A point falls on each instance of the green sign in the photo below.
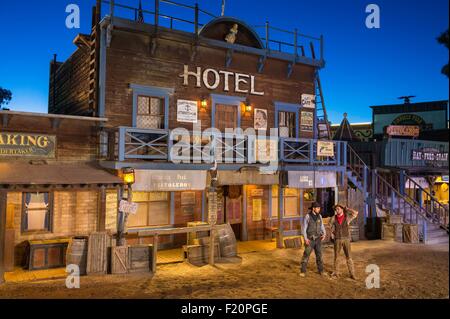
(27, 145)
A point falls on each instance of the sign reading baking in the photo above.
(28, 145)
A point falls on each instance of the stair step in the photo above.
(437, 241)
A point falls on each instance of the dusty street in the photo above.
(407, 271)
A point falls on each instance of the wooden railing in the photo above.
(285, 41)
(294, 150)
(433, 209)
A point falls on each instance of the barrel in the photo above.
(77, 253)
(354, 233)
(227, 240)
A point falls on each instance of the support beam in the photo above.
(101, 222)
(261, 62)
(3, 197)
(229, 58)
(280, 212)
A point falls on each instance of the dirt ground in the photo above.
(407, 271)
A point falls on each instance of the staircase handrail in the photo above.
(353, 153)
(433, 201)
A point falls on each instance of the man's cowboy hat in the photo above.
(339, 205)
(315, 204)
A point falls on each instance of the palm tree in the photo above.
(444, 39)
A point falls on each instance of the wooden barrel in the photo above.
(77, 253)
(354, 232)
(227, 240)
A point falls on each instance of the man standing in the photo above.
(313, 232)
(340, 232)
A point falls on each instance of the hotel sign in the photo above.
(27, 145)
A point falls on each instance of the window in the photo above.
(36, 212)
(153, 209)
(150, 112)
(287, 124)
(291, 202)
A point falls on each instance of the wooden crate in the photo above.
(191, 237)
(293, 242)
(44, 254)
(394, 219)
(140, 258)
(392, 232)
(119, 260)
(411, 233)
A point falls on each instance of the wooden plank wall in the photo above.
(72, 85)
(129, 61)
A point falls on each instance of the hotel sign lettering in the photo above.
(27, 145)
(212, 79)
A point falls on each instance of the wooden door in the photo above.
(226, 117)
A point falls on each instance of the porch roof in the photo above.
(43, 173)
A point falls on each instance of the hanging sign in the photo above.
(325, 149)
(403, 130)
(169, 181)
(212, 207)
(187, 111)
(311, 179)
(27, 145)
(309, 101)
(128, 207)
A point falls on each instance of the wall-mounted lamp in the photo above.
(203, 104)
(128, 175)
(247, 107)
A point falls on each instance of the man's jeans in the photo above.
(315, 245)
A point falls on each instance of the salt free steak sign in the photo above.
(28, 145)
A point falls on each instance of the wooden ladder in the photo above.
(94, 59)
(323, 126)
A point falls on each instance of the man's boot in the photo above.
(351, 268)
(335, 272)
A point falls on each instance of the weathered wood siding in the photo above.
(129, 62)
(71, 85)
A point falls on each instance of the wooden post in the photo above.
(280, 211)
(155, 252)
(2, 234)
(196, 19)
(267, 36)
(101, 221)
(156, 13)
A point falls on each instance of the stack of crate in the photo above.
(392, 228)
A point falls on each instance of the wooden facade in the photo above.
(74, 208)
(141, 68)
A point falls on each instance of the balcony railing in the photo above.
(293, 150)
(131, 144)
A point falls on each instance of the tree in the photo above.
(5, 96)
(444, 40)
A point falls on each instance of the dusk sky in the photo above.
(363, 66)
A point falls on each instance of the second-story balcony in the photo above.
(128, 144)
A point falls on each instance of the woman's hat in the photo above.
(315, 204)
(339, 205)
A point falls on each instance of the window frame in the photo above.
(49, 228)
(148, 202)
(151, 91)
(288, 107)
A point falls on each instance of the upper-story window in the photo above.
(150, 112)
(37, 212)
(287, 124)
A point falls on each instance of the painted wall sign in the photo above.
(403, 130)
(309, 101)
(307, 121)
(430, 155)
(311, 179)
(258, 192)
(257, 209)
(212, 79)
(27, 145)
(187, 111)
(266, 150)
(167, 181)
(325, 148)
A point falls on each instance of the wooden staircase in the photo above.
(432, 218)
